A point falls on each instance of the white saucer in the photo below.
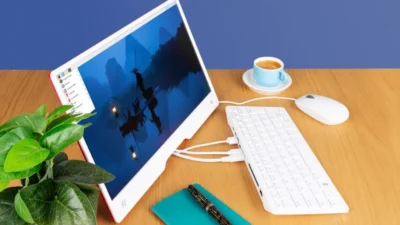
(252, 84)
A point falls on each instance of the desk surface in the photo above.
(362, 156)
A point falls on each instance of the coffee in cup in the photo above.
(269, 71)
(268, 64)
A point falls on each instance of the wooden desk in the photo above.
(361, 156)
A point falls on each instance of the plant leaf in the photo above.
(3, 158)
(86, 125)
(69, 119)
(59, 203)
(60, 157)
(60, 120)
(41, 110)
(57, 112)
(34, 122)
(22, 210)
(8, 215)
(25, 154)
(3, 185)
(60, 137)
(92, 193)
(81, 172)
(79, 117)
(4, 176)
(11, 138)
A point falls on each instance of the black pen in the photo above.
(208, 206)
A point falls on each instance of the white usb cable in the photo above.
(230, 158)
(234, 155)
(230, 152)
(256, 99)
(229, 140)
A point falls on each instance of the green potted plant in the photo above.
(54, 190)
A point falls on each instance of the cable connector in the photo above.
(238, 157)
(229, 140)
(235, 151)
(232, 140)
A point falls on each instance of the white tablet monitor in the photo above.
(150, 90)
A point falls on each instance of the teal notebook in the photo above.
(182, 209)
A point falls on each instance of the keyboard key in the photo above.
(283, 195)
(288, 202)
(268, 182)
(322, 201)
(278, 203)
(274, 193)
(311, 201)
(243, 110)
(253, 110)
(256, 139)
(298, 199)
(251, 128)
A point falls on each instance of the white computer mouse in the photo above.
(325, 110)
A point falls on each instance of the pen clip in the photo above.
(209, 206)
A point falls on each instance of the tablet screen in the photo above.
(142, 88)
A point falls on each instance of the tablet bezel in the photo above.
(126, 199)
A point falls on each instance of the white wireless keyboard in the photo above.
(288, 176)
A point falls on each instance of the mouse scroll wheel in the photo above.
(310, 96)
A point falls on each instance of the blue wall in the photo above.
(43, 34)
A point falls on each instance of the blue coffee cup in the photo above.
(269, 77)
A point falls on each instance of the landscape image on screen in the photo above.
(143, 88)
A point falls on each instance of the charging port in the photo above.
(253, 174)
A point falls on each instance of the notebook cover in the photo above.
(182, 209)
